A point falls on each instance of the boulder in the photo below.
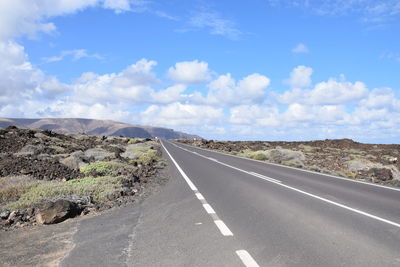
(72, 162)
(4, 214)
(55, 212)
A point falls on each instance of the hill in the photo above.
(95, 127)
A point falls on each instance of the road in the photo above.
(270, 215)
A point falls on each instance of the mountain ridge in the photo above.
(95, 127)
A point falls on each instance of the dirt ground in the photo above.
(94, 172)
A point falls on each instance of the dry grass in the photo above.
(13, 187)
(99, 188)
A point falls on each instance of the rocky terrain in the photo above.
(346, 158)
(47, 177)
(95, 127)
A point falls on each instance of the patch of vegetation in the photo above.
(57, 149)
(350, 174)
(145, 153)
(259, 156)
(104, 168)
(314, 168)
(99, 188)
(13, 187)
(134, 141)
(306, 149)
(293, 163)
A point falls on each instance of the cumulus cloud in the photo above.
(132, 85)
(20, 79)
(190, 72)
(300, 48)
(178, 114)
(226, 91)
(330, 92)
(300, 77)
(20, 17)
(255, 115)
(381, 98)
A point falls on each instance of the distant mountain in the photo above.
(96, 127)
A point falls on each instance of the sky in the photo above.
(227, 70)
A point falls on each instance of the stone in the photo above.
(12, 215)
(55, 212)
(71, 162)
(4, 214)
(382, 174)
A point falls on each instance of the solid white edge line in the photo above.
(297, 169)
(220, 224)
(246, 258)
(209, 209)
(223, 228)
(200, 196)
(318, 197)
(342, 206)
(265, 177)
(188, 181)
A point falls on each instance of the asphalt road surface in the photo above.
(278, 216)
(222, 210)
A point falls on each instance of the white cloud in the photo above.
(300, 77)
(20, 79)
(132, 85)
(331, 92)
(225, 91)
(169, 95)
(381, 98)
(254, 115)
(178, 114)
(374, 11)
(75, 55)
(216, 24)
(315, 113)
(300, 48)
(190, 72)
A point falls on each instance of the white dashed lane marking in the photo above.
(225, 231)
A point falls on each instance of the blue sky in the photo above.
(260, 70)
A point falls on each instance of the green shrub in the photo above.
(96, 187)
(12, 187)
(134, 141)
(293, 163)
(149, 156)
(259, 156)
(103, 168)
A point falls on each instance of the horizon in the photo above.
(218, 140)
(265, 70)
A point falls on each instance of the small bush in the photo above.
(314, 168)
(149, 156)
(259, 156)
(96, 187)
(134, 141)
(13, 187)
(103, 168)
(293, 163)
(350, 174)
